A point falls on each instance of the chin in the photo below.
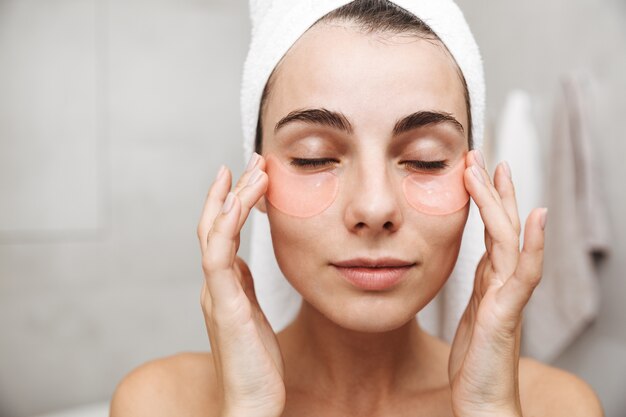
(372, 313)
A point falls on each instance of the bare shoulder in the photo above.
(549, 391)
(182, 384)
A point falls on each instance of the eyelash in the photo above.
(300, 162)
(423, 165)
(427, 165)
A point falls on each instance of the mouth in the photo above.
(373, 274)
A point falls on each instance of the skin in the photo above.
(351, 352)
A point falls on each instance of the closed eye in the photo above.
(300, 162)
(417, 165)
(426, 165)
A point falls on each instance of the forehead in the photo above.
(372, 78)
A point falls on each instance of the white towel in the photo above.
(517, 142)
(567, 298)
(276, 25)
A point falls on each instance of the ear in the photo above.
(261, 205)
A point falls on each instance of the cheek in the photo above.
(437, 195)
(442, 236)
(299, 195)
(300, 248)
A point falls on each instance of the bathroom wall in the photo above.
(114, 117)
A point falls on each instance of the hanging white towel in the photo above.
(517, 142)
(568, 296)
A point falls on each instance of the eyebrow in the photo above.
(339, 121)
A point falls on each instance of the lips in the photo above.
(373, 274)
(374, 263)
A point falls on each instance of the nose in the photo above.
(372, 205)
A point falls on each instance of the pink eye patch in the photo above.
(299, 194)
(307, 194)
(437, 194)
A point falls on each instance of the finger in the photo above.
(250, 192)
(517, 291)
(217, 195)
(249, 189)
(255, 161)
(247, 282)
(504, 249)
(504, 185)
(488, 241)
(212, 204)
(482, 282)
(249, 195)
(218, 259)
(476, 158)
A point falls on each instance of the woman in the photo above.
(364, 168)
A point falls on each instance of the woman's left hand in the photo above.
(484, 359)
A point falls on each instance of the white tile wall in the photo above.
(50, 166)
(79, 310)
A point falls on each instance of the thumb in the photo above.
(517, 290)
(246, 280)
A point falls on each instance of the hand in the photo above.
(247, 358)
(484, 358)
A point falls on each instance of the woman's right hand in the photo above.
(247, 358)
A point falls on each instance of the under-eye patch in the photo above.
(306, 194)
(299, 194)
(437, 193)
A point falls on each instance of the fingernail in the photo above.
(478, 174)
(254, 177)
(480, 159)
(543, 218)
(228, 204)
(220, 172)
(252, 161)
(507, 169)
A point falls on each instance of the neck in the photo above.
(343, 364)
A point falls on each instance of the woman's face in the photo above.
(372, 81)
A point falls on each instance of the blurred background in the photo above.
(114, 118)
